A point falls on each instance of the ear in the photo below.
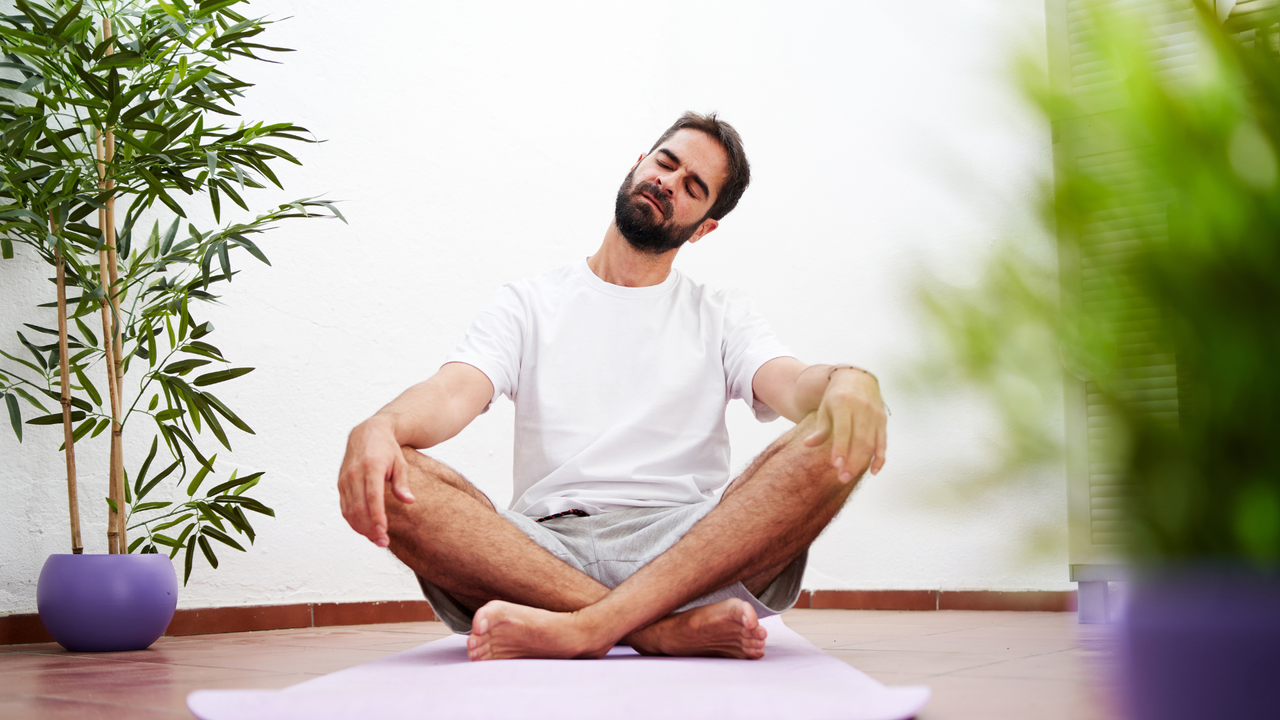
(638, 160)
(707, 226)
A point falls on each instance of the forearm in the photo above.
(435, 410)
(418, 417)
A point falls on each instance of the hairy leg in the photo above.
(453, 537)
(764, 521)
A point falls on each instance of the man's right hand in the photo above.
(373, 459)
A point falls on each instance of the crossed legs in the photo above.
(530, 604)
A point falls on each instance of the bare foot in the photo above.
(728, 628)
(502, 630)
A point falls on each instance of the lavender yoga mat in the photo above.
(794, 680)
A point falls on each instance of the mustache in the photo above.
(655, 192)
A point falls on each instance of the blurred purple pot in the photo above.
(1202, 643)
(103, 603)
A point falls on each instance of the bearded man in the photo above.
(621, 368)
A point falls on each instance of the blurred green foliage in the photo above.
(1166, 210)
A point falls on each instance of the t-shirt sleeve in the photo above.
(495, 343)
(749, 343)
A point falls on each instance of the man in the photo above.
(621, 369)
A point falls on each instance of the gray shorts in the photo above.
(611, 546)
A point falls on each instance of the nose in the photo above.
(667, 186)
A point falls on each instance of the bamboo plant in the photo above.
(128, 103)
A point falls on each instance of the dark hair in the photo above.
(724, 134)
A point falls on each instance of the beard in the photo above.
(644, 228)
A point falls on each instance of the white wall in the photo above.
(476, 143)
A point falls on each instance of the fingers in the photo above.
(400, 481)
(842, 445)
(360, 498)
(374, 507)
(881, 446)
(823, 432)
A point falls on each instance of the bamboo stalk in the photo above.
(73, 500)
(117, 341)
(114, 521)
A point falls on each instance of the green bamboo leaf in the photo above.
(201, 348)
(154, 481)
(208, 551)
(220, 376)
(146, 465)
(228, 512)
(15, 414)
(248, 504)
(224, 260)
(151, 506)
(170, 414)
(253, 249)
(140, 109)
(225, 412)
(34, 173)
(186, 563)
(27, 396)
(88, 334)
(44, 364)
(164, 539)
(134, 545)
(333, 210)
(81, 431)
(171, 523)
(56, 418)
(111, 504)
(233, 483)
(183, 367)
(248, 529)
(102, 425)
(75, 401)
(200, 476)
(169, 235)
(181, 435)
(222, 537)
(88, 386)
(26, 363)
(245, 487)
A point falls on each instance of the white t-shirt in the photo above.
(620, 392)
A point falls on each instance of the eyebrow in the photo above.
(705, 191)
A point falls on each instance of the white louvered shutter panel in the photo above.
(1149, 374)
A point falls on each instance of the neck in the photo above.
(618, 263)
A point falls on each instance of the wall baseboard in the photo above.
(1031, 601)
(23, 629)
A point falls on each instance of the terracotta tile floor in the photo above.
(981, 665)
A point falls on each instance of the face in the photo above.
(664, 200)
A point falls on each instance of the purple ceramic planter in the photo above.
(1202, 643)
(103, 603)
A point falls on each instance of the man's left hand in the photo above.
(853, 416)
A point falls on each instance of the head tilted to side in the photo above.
(697, 165)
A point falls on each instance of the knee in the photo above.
(816, 462)
(415, 475)
(425, 478)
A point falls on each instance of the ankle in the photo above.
(598, 631)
